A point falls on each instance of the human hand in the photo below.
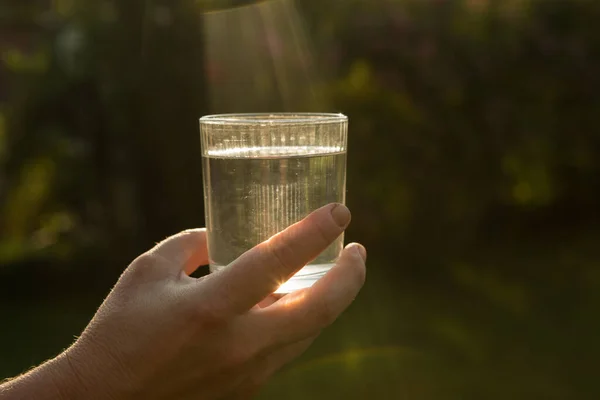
(161, 334)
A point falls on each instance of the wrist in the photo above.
(68, 377)
(53, 380)
(64, 380)
(85, 374)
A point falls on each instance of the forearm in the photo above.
(52, 380)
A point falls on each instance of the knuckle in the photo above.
(224, 301)
(147, 260)
(325, 315)
(324, 235)
(206, 317)
(282, 254)
(143, 268)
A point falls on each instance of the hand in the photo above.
(161, 334)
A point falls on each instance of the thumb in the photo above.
(184, 251)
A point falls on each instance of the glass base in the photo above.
(304, 278)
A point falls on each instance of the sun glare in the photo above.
(259, 59)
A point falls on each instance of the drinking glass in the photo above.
(264, 172)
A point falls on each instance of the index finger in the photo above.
(262, 269)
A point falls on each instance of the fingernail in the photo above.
(362, 252)
(341, 215)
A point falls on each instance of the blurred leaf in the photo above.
(64, 7)
(17, 61)
(26, 199)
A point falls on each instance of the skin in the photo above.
(161, 334)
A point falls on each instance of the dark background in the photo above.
(473, 175)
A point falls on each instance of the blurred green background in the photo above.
(473, 175)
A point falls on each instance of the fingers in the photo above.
(301, 314)
(184, 251)
(260, 271)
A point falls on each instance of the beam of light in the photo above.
(258, 59)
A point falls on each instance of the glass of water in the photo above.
(265, 172)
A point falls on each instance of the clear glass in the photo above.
(263, 173)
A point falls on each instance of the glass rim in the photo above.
(274, 119)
